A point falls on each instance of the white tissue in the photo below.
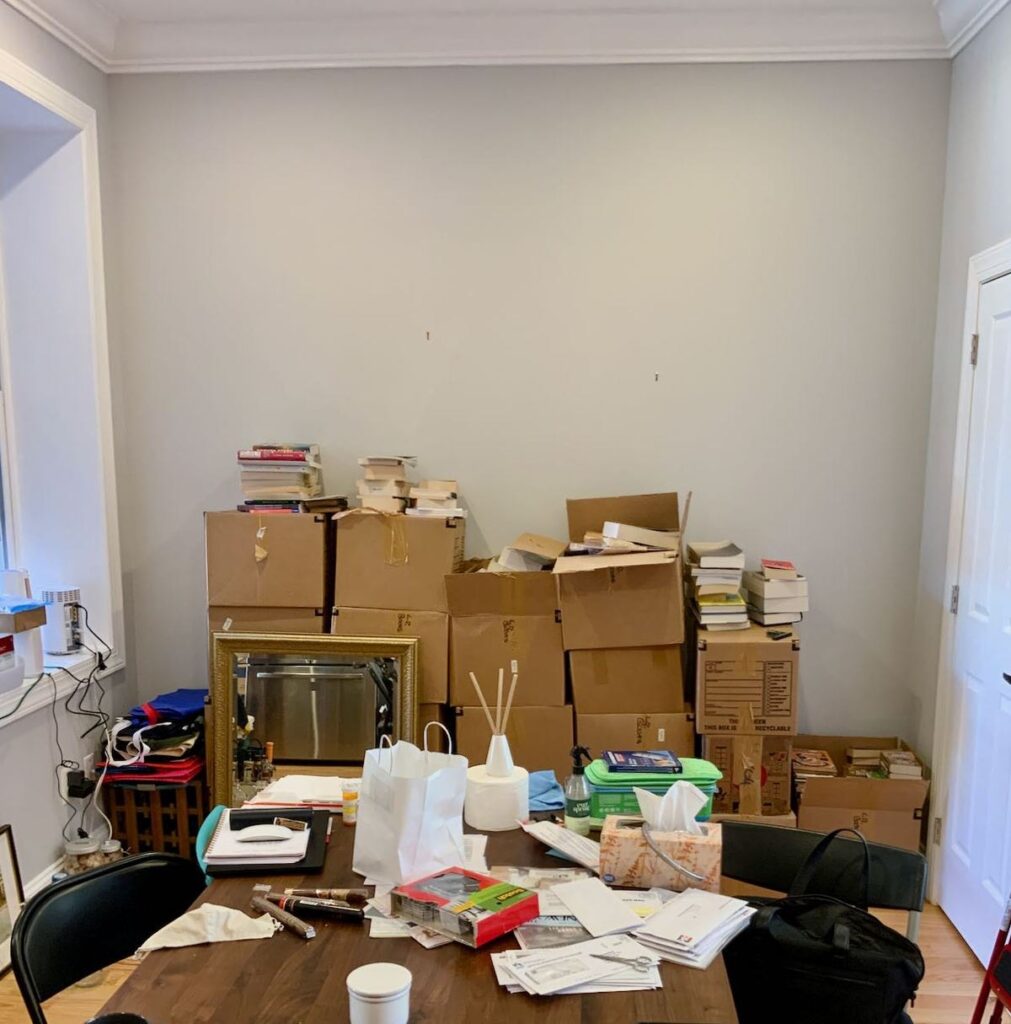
(210, 923)
(674, 811)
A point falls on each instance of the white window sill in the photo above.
(43, 695)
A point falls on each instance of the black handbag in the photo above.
(811, 959)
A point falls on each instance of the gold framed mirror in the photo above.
(304, 702)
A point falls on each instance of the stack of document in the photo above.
(694, 926)
(227, 847)
(321, 792)
(615, 963)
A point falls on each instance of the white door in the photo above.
(975, 875)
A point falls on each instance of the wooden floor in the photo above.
(946, 995)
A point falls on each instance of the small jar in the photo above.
(349, 803)
(80, 855)
(379, 994)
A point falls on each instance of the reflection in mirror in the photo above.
(308, 713)
(296, 706)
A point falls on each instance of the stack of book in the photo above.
(811, 764)
(384, 486)
(864, 762)
(279, 477)
(623, 537)
(435, 498)
(901, 764)
(777, 594)
(716, 569)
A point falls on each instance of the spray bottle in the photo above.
(577, 794)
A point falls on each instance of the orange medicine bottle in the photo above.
(349, 803)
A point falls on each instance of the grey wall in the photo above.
(977, 215)
(762, 237)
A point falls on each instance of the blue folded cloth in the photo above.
(545, 792)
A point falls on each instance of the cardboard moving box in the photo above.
(631, 600)
(430, 628)
(396, 561)
(538, 737)
(267, 561)
(889, 811)
(266, 620)
(774, 784)
(623, 680)
(744, 667)
(498, 618)
(646, 731)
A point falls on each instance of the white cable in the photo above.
(97, 795)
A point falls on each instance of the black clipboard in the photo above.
(315, 854)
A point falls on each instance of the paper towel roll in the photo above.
(495, 803)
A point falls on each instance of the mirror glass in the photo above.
(304, 709)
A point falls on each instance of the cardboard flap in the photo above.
(543, 547)
(499, 593)
(866, 794)
(653, 511)
(750, 637)
(594, 563)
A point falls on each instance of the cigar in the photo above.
(289, 921)
(304, 905)
(356, 897)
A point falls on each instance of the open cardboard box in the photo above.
(889, 811)
(628, 600)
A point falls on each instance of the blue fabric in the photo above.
(545, 792)
(177, 706)
(204, 838)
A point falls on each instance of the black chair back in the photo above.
(89, 921)
(770, 856)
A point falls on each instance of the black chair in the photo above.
(769, 856)
(87, 922)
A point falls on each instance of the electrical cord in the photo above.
(17, 707)
(63, 763)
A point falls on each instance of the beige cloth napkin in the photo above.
(210, 923)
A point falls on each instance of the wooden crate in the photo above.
(146, 818)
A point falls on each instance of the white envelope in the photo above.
(598, 909)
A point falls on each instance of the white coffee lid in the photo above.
(379, 980)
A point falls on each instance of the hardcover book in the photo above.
(642, 761)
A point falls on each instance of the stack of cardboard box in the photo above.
(389, 581)
(269, 573)
(746, 694)
(623, 628)
(497, 619)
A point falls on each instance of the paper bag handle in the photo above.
(667, 859)
(389, 745)
(438, 725)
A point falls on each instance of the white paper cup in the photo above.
(379, 994)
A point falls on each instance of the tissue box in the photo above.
(627, 859)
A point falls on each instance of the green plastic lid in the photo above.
(696, 771)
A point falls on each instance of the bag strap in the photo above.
(438, 725)
(807, 870)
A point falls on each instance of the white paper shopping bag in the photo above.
(410, 813)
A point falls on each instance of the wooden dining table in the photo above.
(290, 980)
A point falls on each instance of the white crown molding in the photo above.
(962, 20)
(83, 25)
(489, 35)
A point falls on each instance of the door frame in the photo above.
(984, 267)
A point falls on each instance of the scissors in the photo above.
(638, 963)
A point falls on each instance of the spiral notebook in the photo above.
(246, 863)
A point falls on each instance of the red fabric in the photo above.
(152, 713)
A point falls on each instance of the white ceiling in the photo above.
(184, 35)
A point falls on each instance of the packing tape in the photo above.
(396, 539)
(260, 551)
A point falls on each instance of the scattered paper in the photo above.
(598, 909)
(550, 932)
(429, 939)
(576, 847)
(389, 928)
(614, 963)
